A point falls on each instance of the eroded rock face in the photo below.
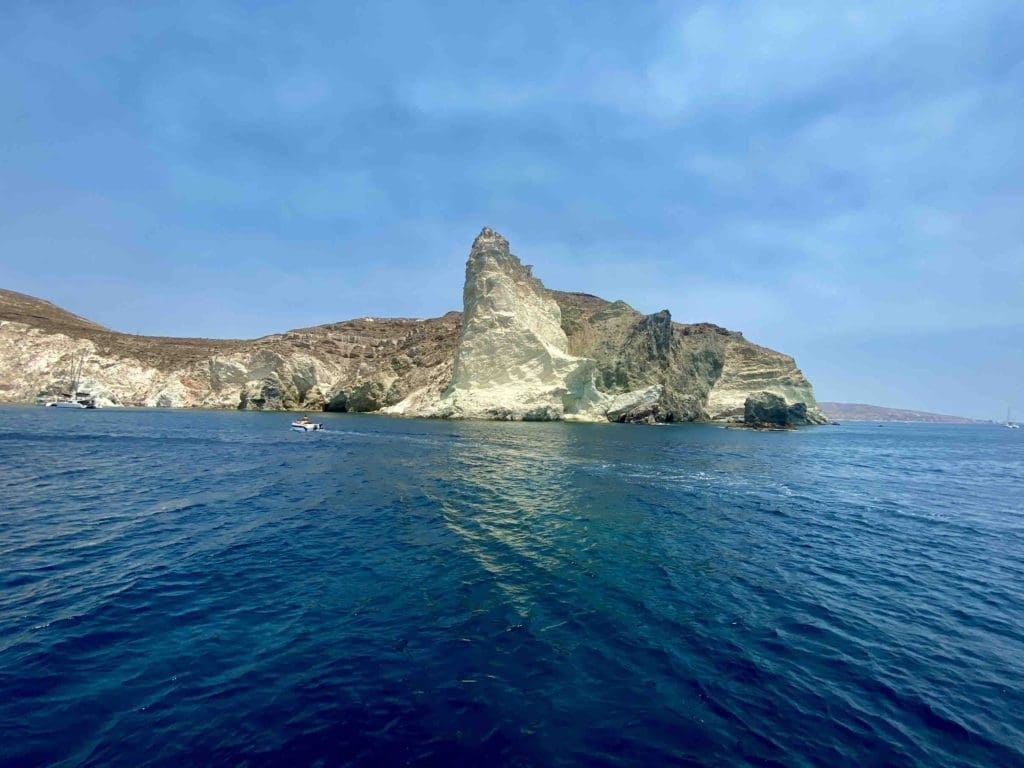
(305, 369)
(704, 372)
(767, 410)
(512, 360)
(748, 368)
(518, 352)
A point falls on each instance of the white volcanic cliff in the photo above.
(512, 361)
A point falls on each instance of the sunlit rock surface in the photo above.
(512, 361)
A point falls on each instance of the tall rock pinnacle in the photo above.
(512, 359)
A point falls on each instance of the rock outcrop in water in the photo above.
(519, 351)
(767, 410)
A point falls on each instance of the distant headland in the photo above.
(863, 412)
(518, 351)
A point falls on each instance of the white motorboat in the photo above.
(305, 425)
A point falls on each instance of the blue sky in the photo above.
(841, 182)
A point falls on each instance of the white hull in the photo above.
(73, 397)
(298, 426)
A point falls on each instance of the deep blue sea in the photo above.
(183, 588)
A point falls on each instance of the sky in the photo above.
(842, 182)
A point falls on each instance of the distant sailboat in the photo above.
(1009, 423)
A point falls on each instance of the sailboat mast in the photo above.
(74, 364)
(78, 375)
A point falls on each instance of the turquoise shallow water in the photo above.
(194, 588)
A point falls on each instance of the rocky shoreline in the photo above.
(518, 351)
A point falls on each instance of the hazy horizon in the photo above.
(842, 186)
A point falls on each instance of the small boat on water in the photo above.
(74, 398)
(1010, 424)
(66, 401)
(305, 425)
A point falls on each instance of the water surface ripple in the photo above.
(194, 588)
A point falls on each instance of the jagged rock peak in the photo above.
(488, 238)
(502, 293)
(491, 245)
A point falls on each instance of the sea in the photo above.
(213, 588)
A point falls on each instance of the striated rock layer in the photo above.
(704, 372)
(518, 351)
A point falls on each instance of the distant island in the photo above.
(517, 351)
(863, 412)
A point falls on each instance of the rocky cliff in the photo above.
(518, 351)
(357, 365)
(512, 360)
(703, 372)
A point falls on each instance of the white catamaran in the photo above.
(74, 398)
